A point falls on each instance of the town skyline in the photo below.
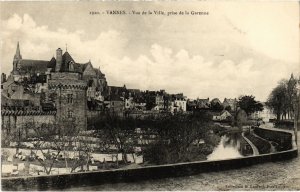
(228, 66)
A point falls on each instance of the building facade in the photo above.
(58, 88)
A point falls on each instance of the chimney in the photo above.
(58, 60)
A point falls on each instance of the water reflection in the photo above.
(232, 145)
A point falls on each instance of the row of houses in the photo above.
(215, 104)
(122, 99)
(72, 90)
(133, 101)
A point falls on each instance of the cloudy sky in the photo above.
(239, 48)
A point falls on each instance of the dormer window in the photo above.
(71, 66)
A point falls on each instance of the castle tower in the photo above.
(70, 96)
(17, 58)
(58, 59)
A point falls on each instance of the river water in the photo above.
(284, 175)
(229, 147)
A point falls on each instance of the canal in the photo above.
(284, 175)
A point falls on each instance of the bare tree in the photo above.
(46, 139)
(119, 134)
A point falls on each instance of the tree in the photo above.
(291, 94)
(276, 100)
(118, 133)
(217, 106)
(83, 150)
(228, 108)
(240, 118)
(55, 142)
(280, 100)
(46, 139)
(150, 102)
(178, 138)
(249, 104)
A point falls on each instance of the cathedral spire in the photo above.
(18, 55)
(17, 58)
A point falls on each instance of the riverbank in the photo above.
(137, 174)
(281, 175)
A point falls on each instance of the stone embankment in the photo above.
(262, 145)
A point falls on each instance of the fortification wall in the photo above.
(13, 124)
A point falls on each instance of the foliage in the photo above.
(174, 138)
(277, 100)
(216, 106)
(228, 108)
(241, 118)
(178, 138)
(249, 104)
(282, 98)
(150, 102)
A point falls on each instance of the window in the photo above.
(70, 113)
(70, 98)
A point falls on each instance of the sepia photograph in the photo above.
(150, 95)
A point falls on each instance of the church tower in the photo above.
(17, 58)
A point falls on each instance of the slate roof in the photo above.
(66, 59)
(114, 90)
(113, 97)
(78, 67)
(83, 66)
(40, 66)
(229, 100)
(37, 66)
(191, 103)
(52, 63)
(203, 100)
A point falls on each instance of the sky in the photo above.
(239, 48)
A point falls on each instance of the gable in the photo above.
(225, 113)
(89, 70)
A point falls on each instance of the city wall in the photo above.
(136, 174)
(13, 122)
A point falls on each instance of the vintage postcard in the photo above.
(149, 95)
